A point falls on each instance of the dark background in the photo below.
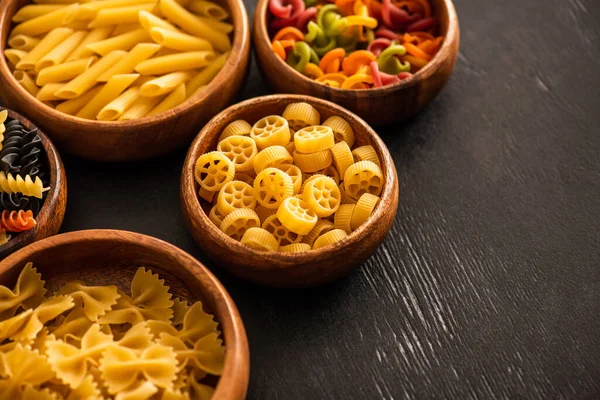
(488, 284)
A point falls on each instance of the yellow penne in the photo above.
(64, 72)
(126, 65)
(49, 42)
(121, 29)
(140, 108)
(35, 10)
(119, 15)
(14, 56)
(176, 62)
(165, 51)
(149, 21)
(73, 106)
(64, 2)
(220, 26)
(113, 88)
(94, 36)
(87, 80)
(200, 89)
(208, 9)
(78, 25)
(48, 92)
(194, 25)
(23, 42)
(47, 22)
(206, 75)
(27, 82)
(122, 42)
(165, 83)
(113, 110)
(179, 41)
(58, 54)
(89, 10)
(175, 98)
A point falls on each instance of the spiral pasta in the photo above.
(27, 186)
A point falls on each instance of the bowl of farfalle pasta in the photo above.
(116, 315)
(288, 190)
(120, 80)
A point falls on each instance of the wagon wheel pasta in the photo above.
(61, 53)
(303, 184)
(70, 344)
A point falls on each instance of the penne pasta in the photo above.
(200, 89)
(47, 22)
(122, 42)
(94, 36)
(165, 83)
(140, 108)
(89, 10)
(35, 10)
(111, 90)
(176, 62)
(14, 56)
(48, 92)
(179, 41)
(208, 9)
(27, 82)
(73, 106)
(23, 42)
(175, 98)
(126, 65)
(50, 41)
(119, 15)
(87, 80)
(194, 25)
(121, 29)
(58, 54)
(220, 26)
(78, 25)
(206, 75)
(63, 2)
(165, 51)
(149, 21)
(115, 109)
(64, 72)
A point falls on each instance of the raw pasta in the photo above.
(271, 200)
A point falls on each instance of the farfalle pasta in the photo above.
(300, 179)
(80, 343)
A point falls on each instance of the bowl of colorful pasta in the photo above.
(383, 60)
(107, 314)
(121, 80)
(289, 190)
(33, 185)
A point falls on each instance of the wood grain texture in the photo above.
(389, 104)
(51, 215)
(287, 269)
(136, 139)
(103, 257)
(487, 285)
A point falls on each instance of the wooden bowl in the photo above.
(378, 106)
(111, 257)
(51, 215)
(136, 139)
(306, 269)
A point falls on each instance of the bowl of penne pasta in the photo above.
(33, 184)
(122, 80)
(289, 190)
(121, 315)
(382, 59)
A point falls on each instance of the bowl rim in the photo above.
(237, 357)
(190, 198)
(57, 176)
(240, 45)
(261, 33)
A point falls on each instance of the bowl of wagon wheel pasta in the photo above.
(289, 190)
(33, 184)
(381, 59)
(121, 80)
(107, 314)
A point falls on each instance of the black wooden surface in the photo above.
(489, 283)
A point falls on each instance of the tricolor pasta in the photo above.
(127, 58)
(98, 342)
(354, 44)
(289, 182)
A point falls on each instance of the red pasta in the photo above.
(17, 221)
(286, 8)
